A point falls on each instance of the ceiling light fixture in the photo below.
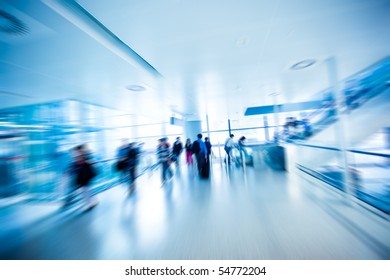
(303, 64)
(135, 88)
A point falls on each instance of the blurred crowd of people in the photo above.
(197, 153)
(198, 149)
(230, 145)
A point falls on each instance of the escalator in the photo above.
(364, 110)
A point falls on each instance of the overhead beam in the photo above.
(283, 108)
(81, 18)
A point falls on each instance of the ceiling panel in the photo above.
(216, 57)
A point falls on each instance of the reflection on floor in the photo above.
(262, 214)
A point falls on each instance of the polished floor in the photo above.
(253, 214)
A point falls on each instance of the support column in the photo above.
(266, 131)
(276, 111)
(192, 129)
(164, 129)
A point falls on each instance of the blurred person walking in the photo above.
(188, 147)
(83, 172)
(72, 175)
(164, 156)
(208, 146)
(121, 164)
(242, 150)
(200, 150)
(206, 168)
(176, 152)
(132, 161)
(229, 144)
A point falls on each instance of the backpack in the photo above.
(177, 148)
(195, 147)
(132, 156)
(85, 174)
(120, 165)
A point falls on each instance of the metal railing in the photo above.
(369, 174)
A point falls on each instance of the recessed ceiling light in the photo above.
(135, 88)
(303, 64)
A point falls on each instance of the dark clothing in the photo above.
(177, 148)
(176, 151)
(205, 170)
(132, 160)
(123, 150)
(83, 173)
(121, 164)
(195, 147)
(86, 174)
(208, 147)
(188, 147)
(200, 150)
(132, 156)
(201, 160)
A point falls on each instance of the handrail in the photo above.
(373, 84)
(370, 153)
(378, 202)
(338, 149)
(316, 147)
(319, 176)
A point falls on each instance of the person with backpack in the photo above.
(83, 171)
(131, 163)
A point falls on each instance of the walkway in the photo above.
(263, 215)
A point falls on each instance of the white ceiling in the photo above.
(216, 57)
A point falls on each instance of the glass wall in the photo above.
(36, 143)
